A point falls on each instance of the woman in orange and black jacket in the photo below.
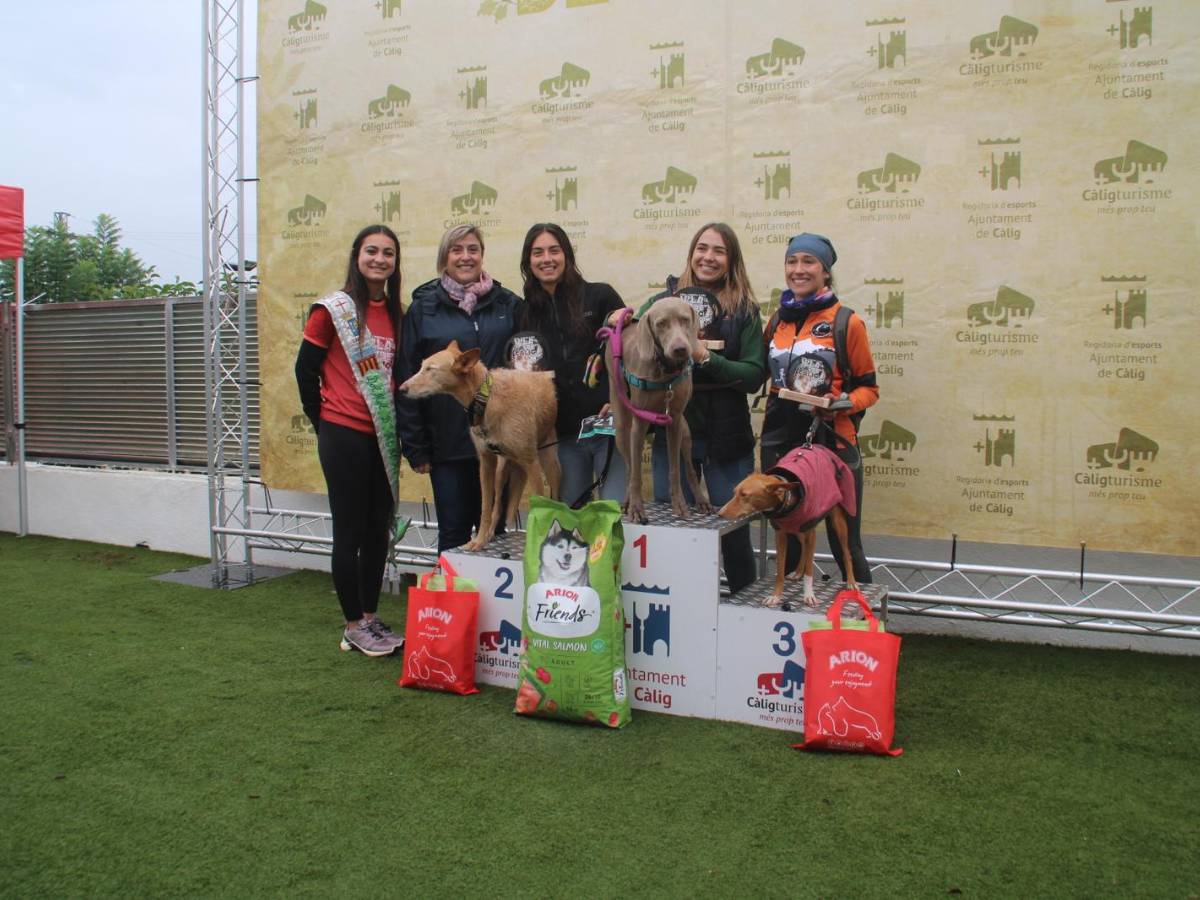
(802, 355)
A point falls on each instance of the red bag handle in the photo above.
(442, 565)
(839, 600)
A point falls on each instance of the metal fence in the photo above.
(118, 381)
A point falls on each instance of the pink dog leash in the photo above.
(613, 336)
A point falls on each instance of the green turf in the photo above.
(162, 740)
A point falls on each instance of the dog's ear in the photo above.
(694, 331)
(453, 347)
(466, 360)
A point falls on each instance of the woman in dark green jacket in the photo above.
(723, 380)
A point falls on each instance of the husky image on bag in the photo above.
(563, 557)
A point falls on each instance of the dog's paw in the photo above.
(794, 576)
(774, 601)
(810, 600)
(704, 507)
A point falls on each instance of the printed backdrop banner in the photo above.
(1011, 187)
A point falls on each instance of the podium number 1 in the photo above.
(640, 543)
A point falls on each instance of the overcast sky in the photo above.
(101, 103)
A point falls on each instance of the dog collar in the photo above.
(786, 507)
(645, 384)
(479, 402)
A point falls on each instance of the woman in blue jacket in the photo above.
(462, 304)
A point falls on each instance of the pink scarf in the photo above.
(467, 295)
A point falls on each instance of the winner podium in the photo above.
(689, 651)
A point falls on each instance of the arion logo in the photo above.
(312, 17)
(306, 108)
(1010, 39)
(479, 200)
(781, 60)
(1130, 451)
(775, 177)
(999, 441)
(677, 187)
(474, 93)
(888, 305)
(892, 442)
(569, 82)
(897, 175)
(1138, 29)
(393, 99)
(1130, 308)
(1003, 164)
(1138, 165)
(891, 44)
(565, 192)
(669, 72)
(309, 213)
(1010, 308)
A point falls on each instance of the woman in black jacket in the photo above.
(565, 311)
(463, 304)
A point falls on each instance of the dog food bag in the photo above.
(573, 634)
(439, 634)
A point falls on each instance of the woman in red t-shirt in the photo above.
(360, 494)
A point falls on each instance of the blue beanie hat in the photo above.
(816, 244)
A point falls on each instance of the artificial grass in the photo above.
(163, 740)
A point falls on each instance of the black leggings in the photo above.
(360, 500)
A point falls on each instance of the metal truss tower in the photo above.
(225, 287)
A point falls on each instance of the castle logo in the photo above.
(1000, 172)
(669, 71)
(569, 82)
(474, 92)
(565, 192)
(999, 445)
(306, 109)
(479, 200)
(499, 9)
(1131, 451)
(888, 306)
(1010, 39)
(388, 8)
(312, 17)
(1126, 312)
(1010, 308)
(1138, 29)
(394, 98)
(891, 44)
(1140, 162)
(776, 176)
(652, 632)
(780, 62)
(898, 175)
(676, 187)
(387, 208)
(892, 442)
(308, 214)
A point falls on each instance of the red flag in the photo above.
(12, 222)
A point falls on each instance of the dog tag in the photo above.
(597, 426)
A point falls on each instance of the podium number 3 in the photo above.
(786, 645)
(640, 543)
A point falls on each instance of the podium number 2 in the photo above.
(506, 579)
(640, 543)
(786, 645)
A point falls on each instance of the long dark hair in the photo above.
(541, 311)
(736, 294)
(356, 284)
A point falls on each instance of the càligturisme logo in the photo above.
(893, 442)
(313, 16)
(499, 9)
(1125, 312)
(1001, 171)
(1009, 308)
(669, 71)
(1010, 39)
(474, 92)
(999, 445)
(897, 175)
(781, 61)
(569, 82)
(565, 192)
(479, 200)
(776, 175)
(891, 44)
(1130, 452)
(677, 187)
(394, 99)
(306, 109)
(888, 306)
(388, 8)
(1137, 166)
(387, 208)
(1135, 30)
(308, 214)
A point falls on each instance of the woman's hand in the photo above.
(422, 468)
